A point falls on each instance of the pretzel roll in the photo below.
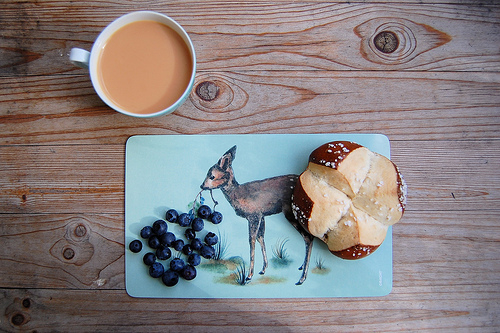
(348, 197)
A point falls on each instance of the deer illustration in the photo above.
(254, 201)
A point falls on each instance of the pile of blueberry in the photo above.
(163, 242)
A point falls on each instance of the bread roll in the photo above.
(348, 197)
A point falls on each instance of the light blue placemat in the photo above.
(166, 171)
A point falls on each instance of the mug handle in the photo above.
(79, 57)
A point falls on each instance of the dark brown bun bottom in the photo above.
(356, 252)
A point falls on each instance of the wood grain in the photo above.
(75, 251)
(454, 277)
(441, 175)
(442, 215)
(51, 178)
(456, 251)
(404, 106)
(279, 67)
(82, 311)
(269, 36)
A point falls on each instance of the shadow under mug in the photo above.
(90, 60)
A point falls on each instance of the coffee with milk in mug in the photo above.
(142, 64)
(144, 67)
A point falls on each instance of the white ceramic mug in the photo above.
(90, 60)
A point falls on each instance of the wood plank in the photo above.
(270, 35)
(450, 250)
(66, 179)
(446, 276)
(404, 106)
(433, 250)
(108, 5)
(441, 175)
(75, 251)
(460, 175)
(110, 311)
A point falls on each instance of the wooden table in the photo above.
(279, 67)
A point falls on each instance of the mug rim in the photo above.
(110, 29)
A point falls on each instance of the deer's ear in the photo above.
(227, 159)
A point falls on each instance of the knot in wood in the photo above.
(17, 319)
(68, 253)
(386, 41)
(26, 303)
(80, 230)
(207, 90)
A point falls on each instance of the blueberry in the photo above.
(149, 258)
(194, 259)
(170, 278)
(190, 234)
(197, 224)
(146, 232)
(171, 215)
(178, 245)
(135, 246)
(204, 212)
(156, 270)
(211, 238)
(189, 272)
(196, 244)
(154, 242)
(163, 253)
(207, 251)
(177, 264)
(167, 239)
(187, 249)
(184, 220)
(159, 227)
(216, 217)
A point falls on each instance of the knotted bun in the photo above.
(348, 197)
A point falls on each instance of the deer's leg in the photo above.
(260, 239)
(253, 228)
(308, 240)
